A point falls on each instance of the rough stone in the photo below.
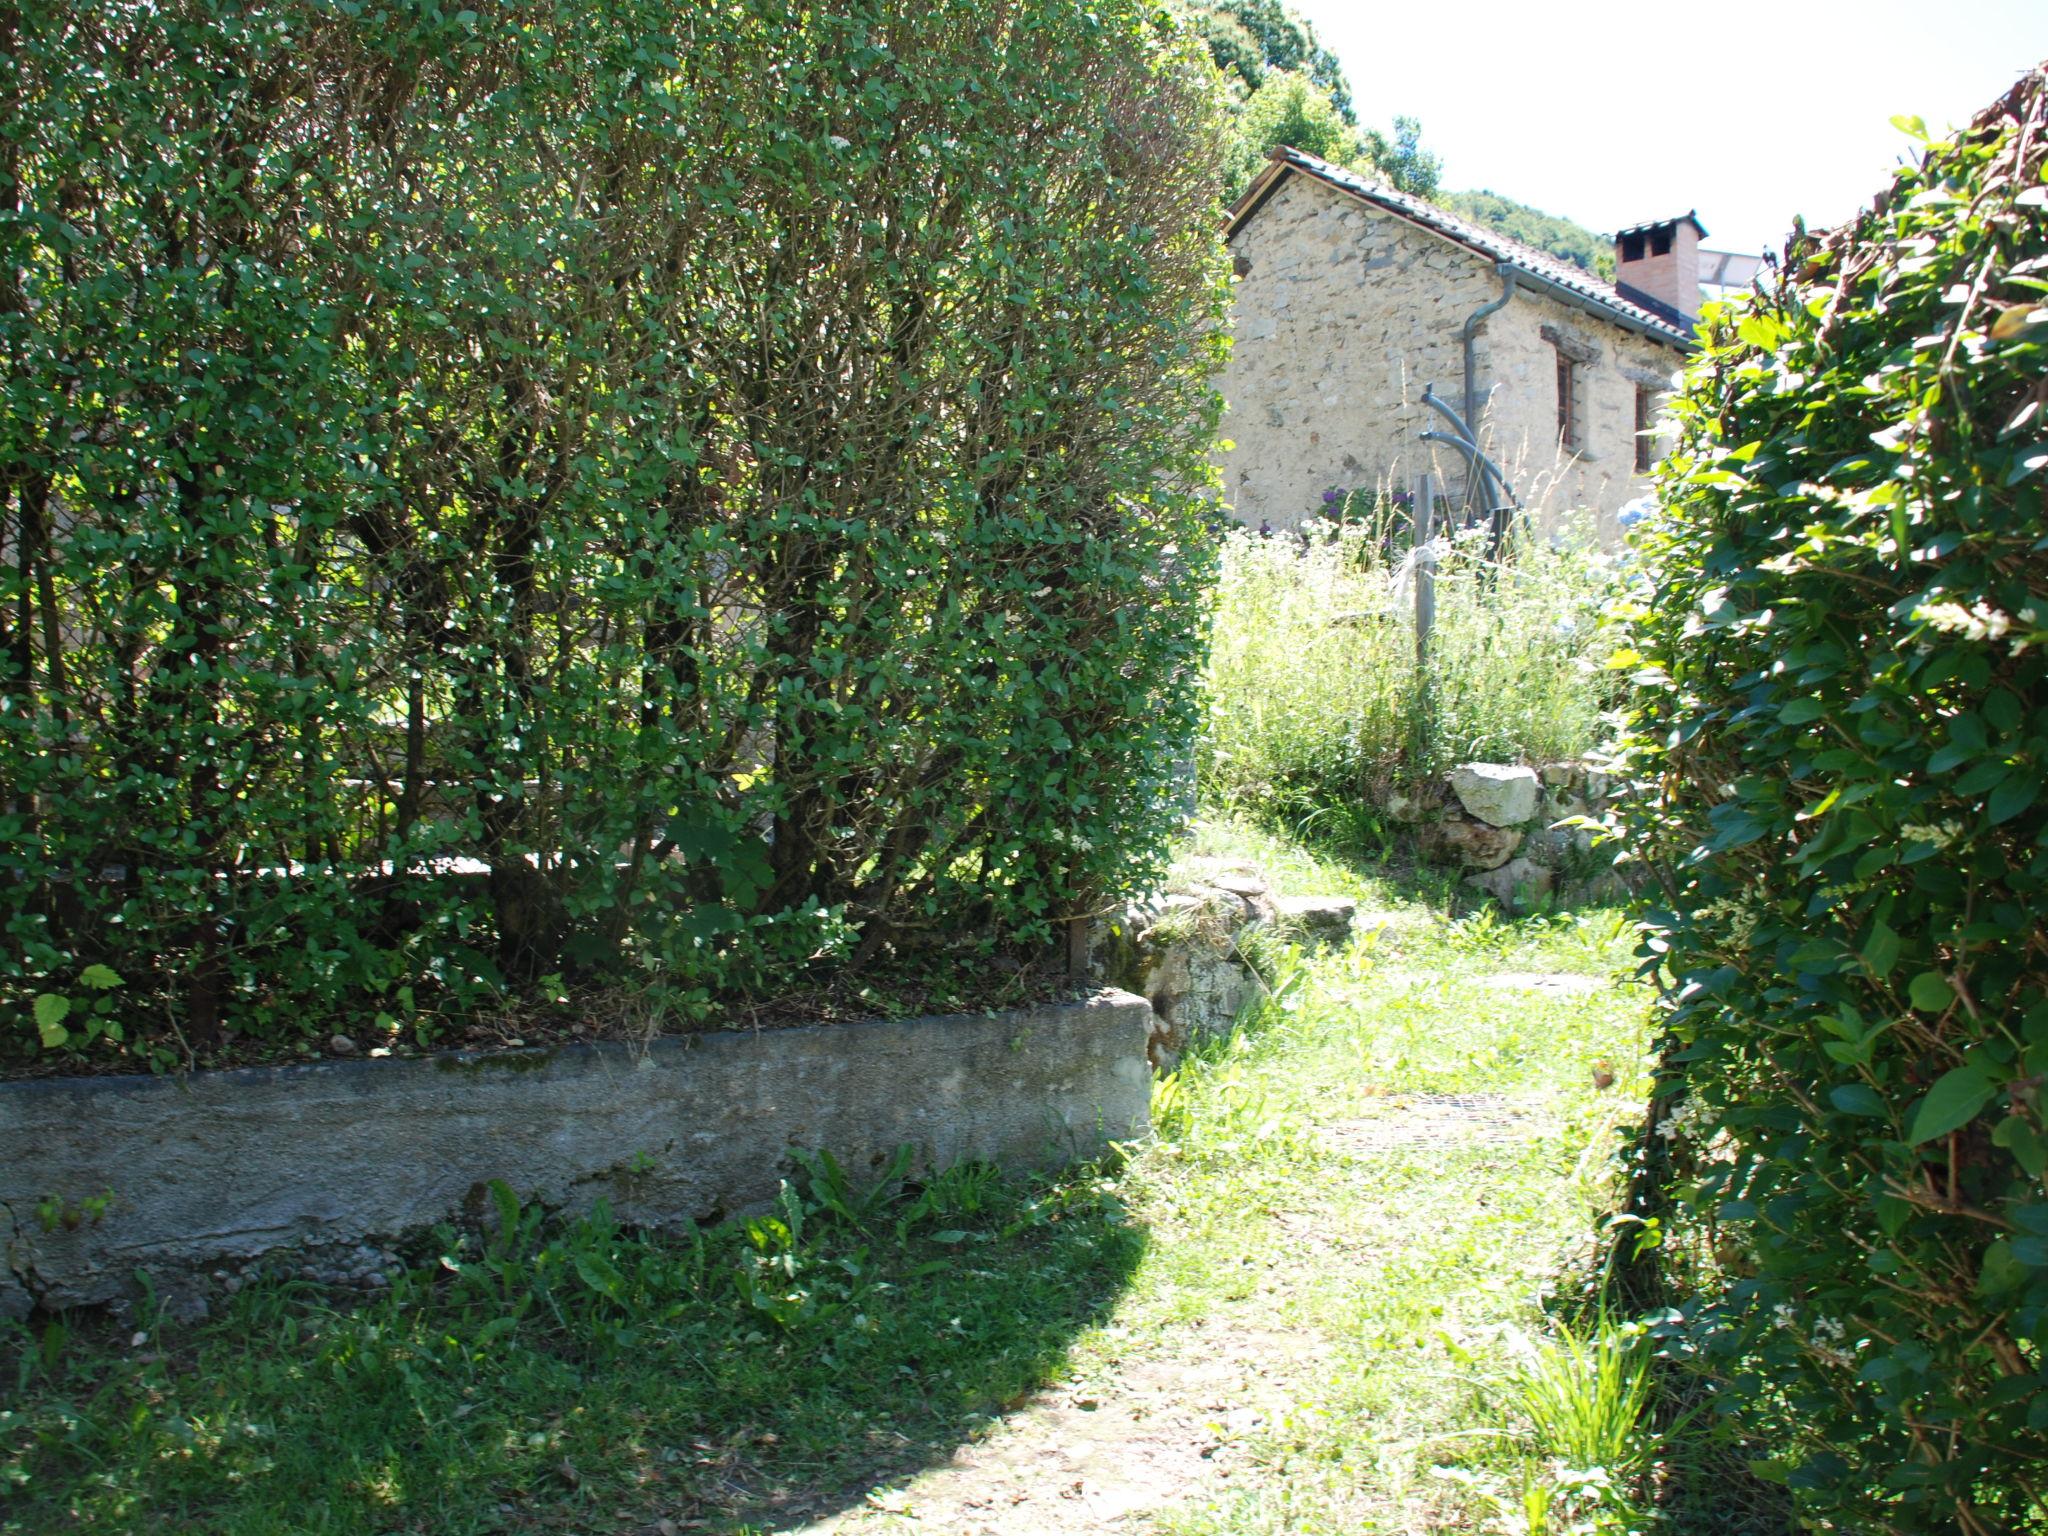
(1499, 795)
(1347, 311)
(1557, 847)
(1477, 845)
(1607, 888)
(1516, 885)
(1214, 881)
(341, 1045)
(1405, 808)
(1180, 953)
(1319, 919)
(220, 1167)
(1559, 775)
(15, 1301)
(1557, 806)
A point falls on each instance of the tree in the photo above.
(1560, 237)
(1247, 38)
(731, 479)
(1838, 742)
(1289, 110)
(1291, 90)
(1402, 160)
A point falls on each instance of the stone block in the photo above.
(1517, 885)
(1607, 888)
(1473, 843)
(1319, 919)
(1496, 793)
(214, 1169)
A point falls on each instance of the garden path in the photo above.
(1282, 1354)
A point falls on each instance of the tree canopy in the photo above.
(1561, 237)
(1291, 90)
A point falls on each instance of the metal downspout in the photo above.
(1471, 330)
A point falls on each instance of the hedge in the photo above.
(665, 495)
(1838, 753)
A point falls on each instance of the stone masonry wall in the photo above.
(1518, 363)
(318, 1167)
(1343, 313)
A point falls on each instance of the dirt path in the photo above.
(1161, 1423)
(1096, 1458)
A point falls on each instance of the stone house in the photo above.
(1351, 297)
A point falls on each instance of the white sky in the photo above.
(1748, 110)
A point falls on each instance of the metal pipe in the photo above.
(1435, 402)
(1479, 461)
(1496, 489)
(1508, 280)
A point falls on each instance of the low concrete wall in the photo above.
(224, 1166)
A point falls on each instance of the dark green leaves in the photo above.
(1956, 1099)
(1863, 780)
(1931, 992)
(652, 495)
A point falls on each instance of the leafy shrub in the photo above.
(594, 489)
(1838, 751)
(1315, 705)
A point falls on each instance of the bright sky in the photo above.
(1748, 110)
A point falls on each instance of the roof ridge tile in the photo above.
(1526, 258)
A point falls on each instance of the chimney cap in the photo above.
(1690, 216)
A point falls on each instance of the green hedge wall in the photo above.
(677, 493)
(1838, 757)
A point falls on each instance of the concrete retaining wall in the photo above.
(220, 1167)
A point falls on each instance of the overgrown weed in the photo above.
(1315, 704)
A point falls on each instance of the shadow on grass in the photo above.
(578, 1378)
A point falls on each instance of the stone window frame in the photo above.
(1575, 357)
(1651, 386)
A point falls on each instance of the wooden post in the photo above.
(1421, 521)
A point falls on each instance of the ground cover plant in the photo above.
(1312, 1305)
(1837, 756)
(1315, 705)
(655, 496)
(545, 1377)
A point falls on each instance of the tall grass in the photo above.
(1315, 702)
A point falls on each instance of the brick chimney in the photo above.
(1660, 263)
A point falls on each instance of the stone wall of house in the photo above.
(1517, 360)
(1343, 313)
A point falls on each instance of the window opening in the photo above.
(1569, 424)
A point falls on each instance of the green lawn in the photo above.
(1361, 1197)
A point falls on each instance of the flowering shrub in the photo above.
(602, 490)
(1838, 749)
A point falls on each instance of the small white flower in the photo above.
(1980, 621)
